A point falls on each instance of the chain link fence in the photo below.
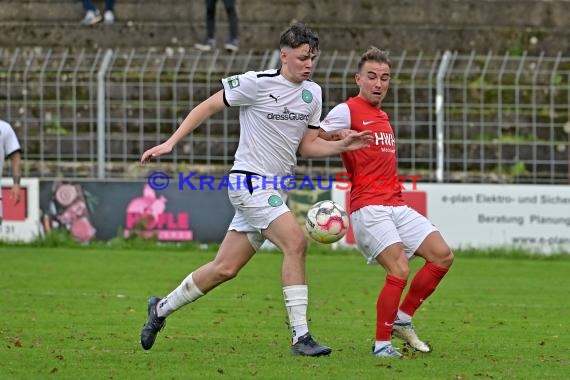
(91, 113)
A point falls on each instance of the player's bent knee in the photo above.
(444, 259)
(226, 272)
(395, 261)
(401, 272)
(448, 260)
(296, 248)
(297, 253)
(399, 269)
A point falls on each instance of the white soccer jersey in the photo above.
(274, 115)
(8, 143)
(338, 118)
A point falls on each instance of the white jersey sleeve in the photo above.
(240, 90)
(8, 143)
(338, 118)
(8, 140)
(315, 117)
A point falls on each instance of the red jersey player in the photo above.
(386, 230)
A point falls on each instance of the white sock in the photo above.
(403, 317)
(296, 302)
(185, 293)
(380, 344)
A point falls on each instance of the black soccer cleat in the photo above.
(153, 325)
(306, 346)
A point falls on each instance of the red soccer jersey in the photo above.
(372, 170)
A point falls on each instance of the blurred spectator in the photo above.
(209, 42)
(10, 148)
(93, 16)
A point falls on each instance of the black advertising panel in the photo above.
(103, 210)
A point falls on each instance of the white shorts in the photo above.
(377, 227)
(255, 209)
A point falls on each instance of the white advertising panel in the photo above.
(531, 217)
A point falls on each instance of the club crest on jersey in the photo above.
(307, 96)
(275, 201)
(233, 82)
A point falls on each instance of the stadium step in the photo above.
(429, 25)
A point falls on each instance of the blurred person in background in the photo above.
(10, 148)
(209, 41)
(93, 16)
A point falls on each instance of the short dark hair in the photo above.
(376, 55)
(298, 34)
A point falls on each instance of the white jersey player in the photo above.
(279, 114)
(10, 148)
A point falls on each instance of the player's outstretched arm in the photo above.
(197, 116)
(339, 134)
(329, 136)
(314, 146)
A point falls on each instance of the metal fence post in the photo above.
(274, 61)
(439, 113)
(101, 113)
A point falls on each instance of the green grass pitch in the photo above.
(76, 313)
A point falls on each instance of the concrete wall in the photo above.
(398, 25)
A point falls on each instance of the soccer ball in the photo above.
(326, 222)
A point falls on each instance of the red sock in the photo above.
(423, 285)
(387, 306)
